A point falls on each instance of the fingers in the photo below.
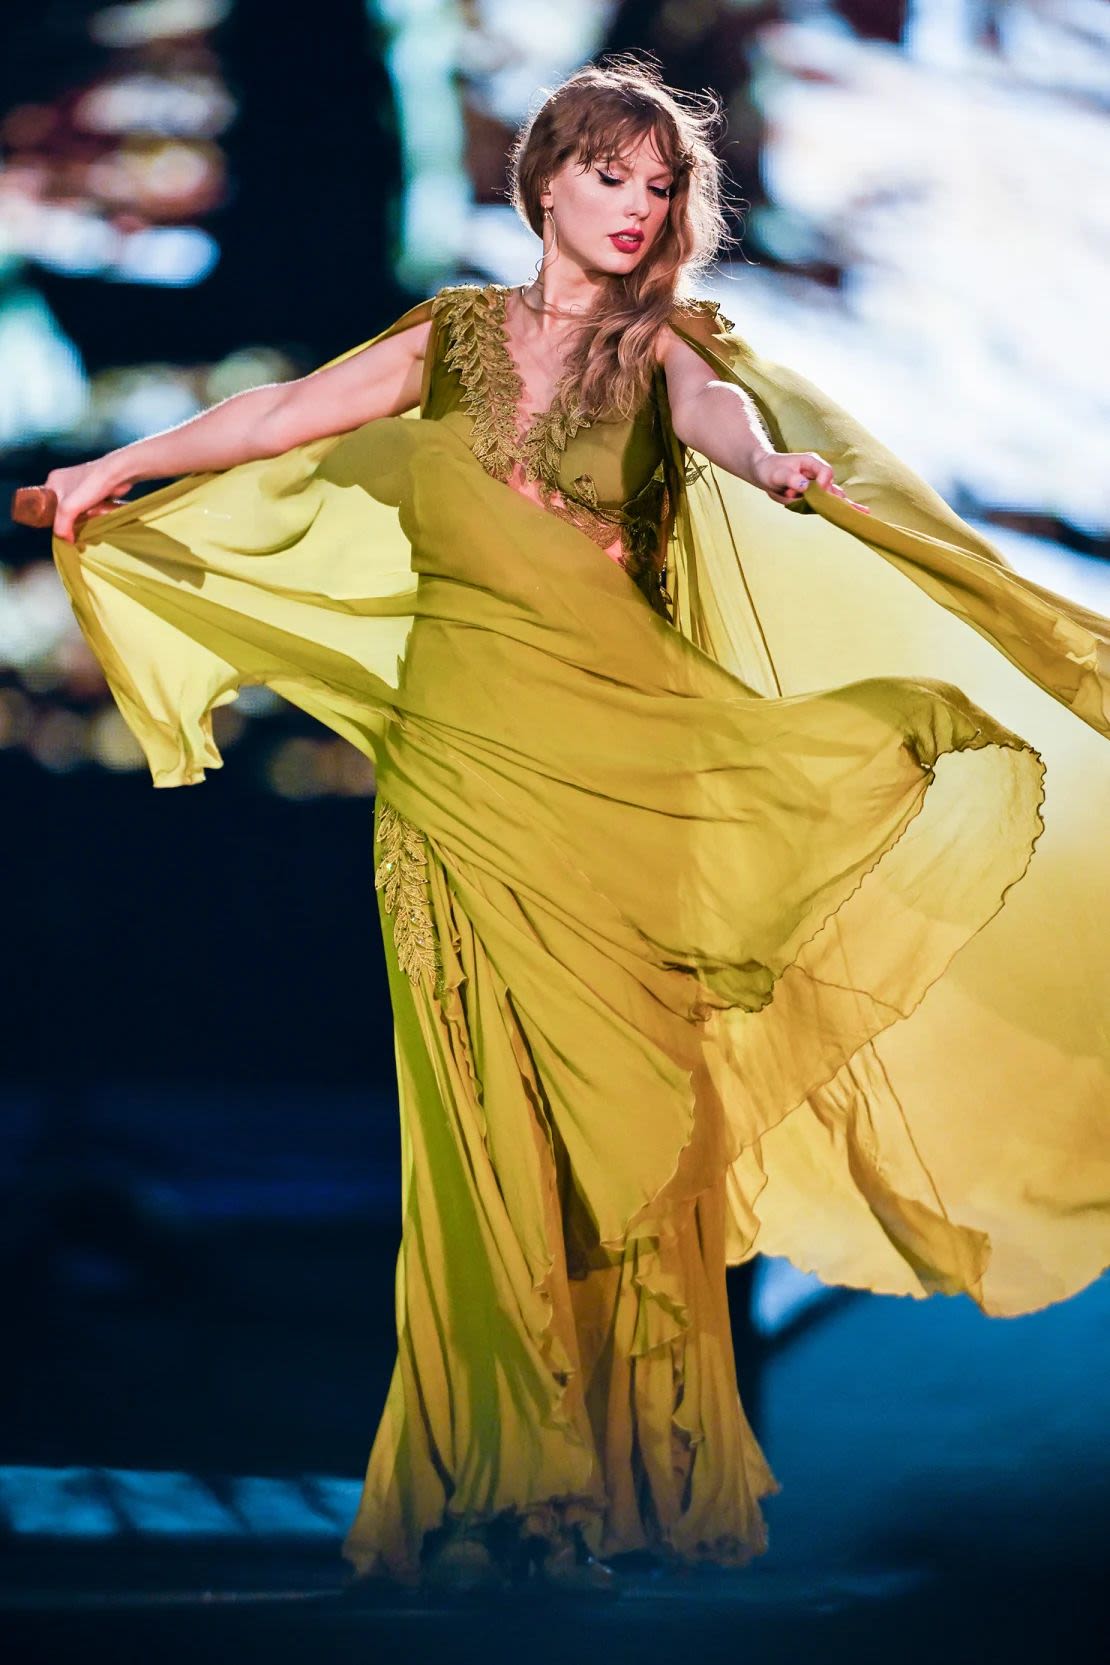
(790, 494)
(807, 469)
(823, 476)
(65, 524)
(810, 468)
(838, 491)
(65, 521)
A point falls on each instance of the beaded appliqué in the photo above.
(402, 876)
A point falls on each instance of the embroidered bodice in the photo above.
(607, 477)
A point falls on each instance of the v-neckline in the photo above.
(555, 405)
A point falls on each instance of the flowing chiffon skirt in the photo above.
(543, 1382)
(651, 930)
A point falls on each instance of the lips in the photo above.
(629, 241)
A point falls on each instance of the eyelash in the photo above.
(664, 191)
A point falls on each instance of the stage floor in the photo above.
(946, 1478)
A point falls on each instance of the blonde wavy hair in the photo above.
(602, 111)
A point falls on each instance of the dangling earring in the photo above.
(549, 219)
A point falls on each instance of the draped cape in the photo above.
(827, 853)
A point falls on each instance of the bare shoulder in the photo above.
(676, 354)
(408, 339)
(413, 328)
(697, 320)
(692, 325)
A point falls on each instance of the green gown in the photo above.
(691, 882)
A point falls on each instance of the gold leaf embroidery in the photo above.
(402, 876)
(477, 348)
(546, 438)
(601, 526)
(638, 526)
(490, 383)
(712, 310)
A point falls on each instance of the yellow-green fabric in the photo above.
(618, 458)
(695, 929)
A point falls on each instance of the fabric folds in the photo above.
(722, 961)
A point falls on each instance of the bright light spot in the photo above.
(781, 1293)
(249, 367)
(182, 105)
(169, 255)
(112, 743)
(146, 20)
(43, 391)
(147, 405)
(34, 615)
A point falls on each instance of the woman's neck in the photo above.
(563, 289)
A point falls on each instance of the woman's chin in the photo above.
(628, 259)
(614, 263)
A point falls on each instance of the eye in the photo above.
(666, 192)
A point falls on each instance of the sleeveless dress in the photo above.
(691, 883)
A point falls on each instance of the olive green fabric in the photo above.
(697, 949)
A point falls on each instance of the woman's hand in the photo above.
(784, 476)
(85, 489)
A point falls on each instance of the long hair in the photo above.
(602, 111)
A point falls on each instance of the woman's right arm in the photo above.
(383, 380)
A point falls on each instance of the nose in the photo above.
(638, 206)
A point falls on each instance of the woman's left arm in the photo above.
(721, 422)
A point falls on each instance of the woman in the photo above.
(672, 839)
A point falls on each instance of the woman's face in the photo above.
(608, 215)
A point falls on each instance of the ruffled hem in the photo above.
(938, 1254)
